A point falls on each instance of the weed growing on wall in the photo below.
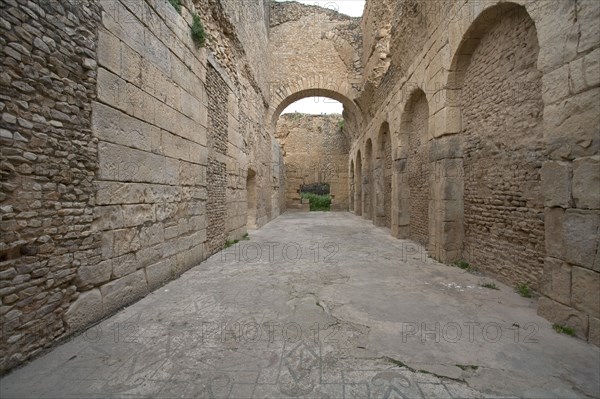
(198, 33)
(176, 5)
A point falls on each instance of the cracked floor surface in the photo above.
(318, 305)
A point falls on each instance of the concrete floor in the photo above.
(359, 315)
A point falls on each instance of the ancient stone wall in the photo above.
(513, 120)
(125, 155)
(503, 148)
(315, 151)
(48, 166)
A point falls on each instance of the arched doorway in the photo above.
(383, 178)
(503, 147)
(367, 181)
(251, 199)
(358, 184)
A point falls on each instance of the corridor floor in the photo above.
(318, 305)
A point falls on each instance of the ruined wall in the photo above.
(513, 119)
(503, 153)
(125, 154)
(315, 151)
(48, 166)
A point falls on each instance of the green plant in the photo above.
(563, 329)
(341, 124)
(491, 286)
(463, 264)
(198, 33)
(246, 237)
(176, 5)
(318, 202)
(524, 290)
(230, 243)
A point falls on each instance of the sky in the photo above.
(322, 105)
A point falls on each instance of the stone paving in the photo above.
(318, 305)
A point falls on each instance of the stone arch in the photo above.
(367, 181)
(251, 199)
(415, 179)
(498, 94)
(290, 93)
(383, 177)
(351, 186)
(358, 184)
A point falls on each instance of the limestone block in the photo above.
(572, 235)
(86, 309)
(114, 126)
(445, 147)
(588, 16)
(135, 215)
(564, 316)
(150, 255)
(159, 273)
(151, 235)
(109, 54)
(111, 89)
(119, 242)
(131, 65)
(94, 274)
(586, 182)
(579, 116)
(556, 280)
(124, 265)
(585, 291)
(576, 76)
(156, 52)
(591, 66)
(121, 163)
(555, 85)
(123, 291)
(556, 184)
(108, 218)
(594, 333)
(558, 41)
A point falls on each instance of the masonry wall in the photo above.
(315, 150)
(512, 94)
(125, 152)
(48, 166)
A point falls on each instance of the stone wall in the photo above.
(513, 122)
(315, 150)
(48, 166)
(125, 155)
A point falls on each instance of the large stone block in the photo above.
(123, 291)
(159, 273)
(572, 235)
(556, 280)
(119, 242)
(119, 163)
(556, 184)
(135, 215)
(555, 85)
(124, 265)
(588, 16)
(585, 291)
(594, 334)
(109, 55)
(564, 316)
(94, 274)
(586, 182)
(86, 309)
(108, 218)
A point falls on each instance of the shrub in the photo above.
(198, 33)
(176, 5)
(491, 286)
(524, 290)
(563, 329)
(315, 188)
(318, 202)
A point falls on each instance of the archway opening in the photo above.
(415, 138)
(367, 182)
(315, 145)
(383, 178)
(358, 185)
(501, 105)
(251, 199)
